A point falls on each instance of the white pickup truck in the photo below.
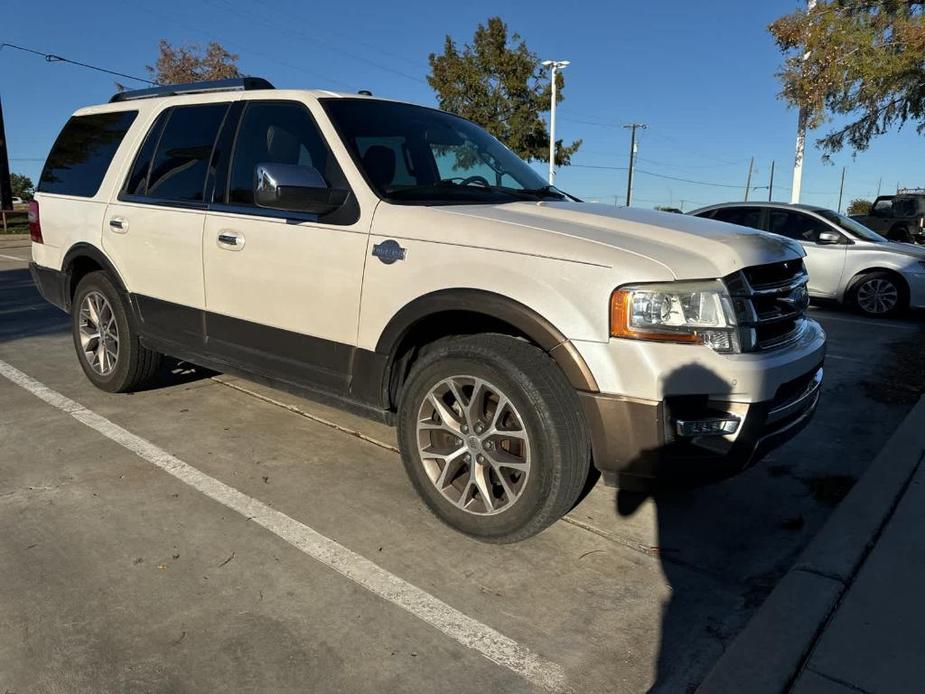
(400, 262)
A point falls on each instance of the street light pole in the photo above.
(801, 135)
(629, 177)
(554, 66)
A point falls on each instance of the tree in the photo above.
(176, 65)
(498, 83)
(859, 206)
(22, 186)
(859, 59)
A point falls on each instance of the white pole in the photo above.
(554, 66)
(801, 137)
(552, 128)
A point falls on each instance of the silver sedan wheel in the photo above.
(99, 333)
(878, 295)
(473, 444)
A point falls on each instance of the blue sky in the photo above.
(701, 75)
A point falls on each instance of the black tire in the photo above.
(134, 364)
(856, 295)
(551, 414)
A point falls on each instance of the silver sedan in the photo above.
(845, 260)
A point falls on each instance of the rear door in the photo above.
(825, 263)
(153, 231)
(283, 288)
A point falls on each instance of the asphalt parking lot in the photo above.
(211, 534)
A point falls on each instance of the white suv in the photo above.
(400, 262)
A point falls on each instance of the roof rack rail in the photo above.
(229, 85)
(907, 191)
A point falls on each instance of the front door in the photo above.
(825, 263)
(282, 290)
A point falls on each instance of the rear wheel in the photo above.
(105, 338)
(878, 294)
(492, 437)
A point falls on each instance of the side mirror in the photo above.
(295, 188)
(828, 238)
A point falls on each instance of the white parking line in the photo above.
(492, 644)
(13, 257)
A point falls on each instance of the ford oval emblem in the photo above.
(389, 251)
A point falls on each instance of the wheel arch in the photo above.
(81, 259)
(450, 312)
(860, 274)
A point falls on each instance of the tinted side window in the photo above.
(796, 225)
(83, 152)
(182, 160)
(279, 132)
(883, 208)
(137, 181)
(743, 216)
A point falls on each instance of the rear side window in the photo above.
(181, 162)
(743, 216)
(83, 152)
(137, 182)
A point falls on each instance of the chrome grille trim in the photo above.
(765, 308)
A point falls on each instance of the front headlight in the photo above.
(699, 313)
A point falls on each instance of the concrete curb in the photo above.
(768, 654)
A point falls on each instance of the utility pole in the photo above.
(801, 135)
(748, 182)
(879, 183)
(554, 66)
(771, 183)
(841, 189)
(629, 178)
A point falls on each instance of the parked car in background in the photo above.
(846, 261)
(899, 217)
(18, 201)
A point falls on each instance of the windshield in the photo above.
(854, 228)
(416, 155)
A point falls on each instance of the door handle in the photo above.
(118, 225)
(231, 240)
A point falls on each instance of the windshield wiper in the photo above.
(549, 190)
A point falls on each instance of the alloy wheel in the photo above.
(878, 296)
(473, 445)
(99, 333)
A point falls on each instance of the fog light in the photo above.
(707, 427)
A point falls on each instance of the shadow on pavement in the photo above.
(24, 313)
(687, 536)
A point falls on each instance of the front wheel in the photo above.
(106, 339)
(492, 437)
(878, 294)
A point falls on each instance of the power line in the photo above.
(52, 58)
(251, 17)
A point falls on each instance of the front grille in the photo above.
(770, 302)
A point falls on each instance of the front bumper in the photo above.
(635, 441)
(916, 282)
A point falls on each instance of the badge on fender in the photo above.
(389, 251)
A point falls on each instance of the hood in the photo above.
(689, 247)
(907, 249)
